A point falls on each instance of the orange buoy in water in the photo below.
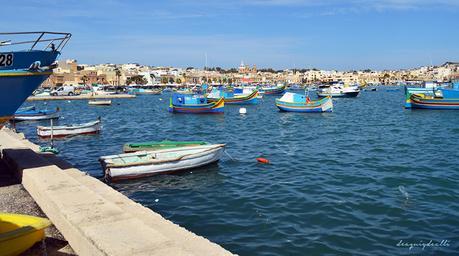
(263, 160)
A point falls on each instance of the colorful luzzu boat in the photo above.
(21, 72)
(273, 90)
(430, 102)
(293, 102)
(434, 90)
(232, 98)
(195, 104)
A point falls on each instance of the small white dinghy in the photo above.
(69, 130)
(100, 102)
(143, 163)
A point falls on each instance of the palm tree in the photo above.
(118, 75)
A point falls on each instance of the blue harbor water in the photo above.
(352, 182)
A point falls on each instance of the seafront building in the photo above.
(69, 72)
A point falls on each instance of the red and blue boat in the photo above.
(294, 102)
(23, 70)
(195, 104)
(424, 101)
(232, 98)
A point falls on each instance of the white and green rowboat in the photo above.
(144, 163)
(159, 145)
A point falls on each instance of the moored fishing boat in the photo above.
(235, 99)
(36, 115)
(195, 104)
(433, 89)
(19, 232)
(158, 145)
(144, 90)
(295, 87)
(100, 102)
(273, 90)
(248, 89)
(22, 71)
(93, 127)
(430, 102)
(293, 102)
(426, 88)
(143, 163)
(338, 89)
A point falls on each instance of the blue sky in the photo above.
(328, 34)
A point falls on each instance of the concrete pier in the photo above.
(81, 97)
(94, 218)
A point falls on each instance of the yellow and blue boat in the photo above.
(439, 92)
(294, 102)
(424, 101)
(20, 232)
(232, 98)
(273, 90)
(22, 71)
(195, 104)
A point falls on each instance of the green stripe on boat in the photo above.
(158, 145)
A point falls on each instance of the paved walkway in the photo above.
(15, 199)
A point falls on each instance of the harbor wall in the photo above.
(94, 218)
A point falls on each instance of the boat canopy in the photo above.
(188, 99)
(293, 98)
(218, 93)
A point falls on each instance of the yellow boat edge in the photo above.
(22, 232)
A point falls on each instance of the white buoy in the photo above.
(242, 111)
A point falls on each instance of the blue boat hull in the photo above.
(209, 108)
(23, 59)
(299, 110)
(15, 87)
(438, 107)
(298, 103)
(253, 101)
(418, 101)
(26, 73)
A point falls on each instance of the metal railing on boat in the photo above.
(56, 40)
